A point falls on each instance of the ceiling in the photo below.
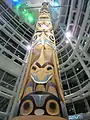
(33, 6)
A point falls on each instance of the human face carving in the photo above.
(41, 73)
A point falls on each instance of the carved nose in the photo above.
(42, 59)
(41, 74)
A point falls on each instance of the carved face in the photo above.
(41, 73)
(42, 69)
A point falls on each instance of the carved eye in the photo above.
(35, 37)
(49, 68)
(51, 38)
(34, 68)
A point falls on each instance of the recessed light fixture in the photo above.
(68, 34)
(28, 47)
(77, 69)
(67, 41)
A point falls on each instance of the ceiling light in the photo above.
(65, 93)
(77, 69)
(24, 14)
(85, 42)
(68, 34)
(67, 41)
(54, 4)
(28, 47)
(17, 7)
(15, 1)
(30, 18)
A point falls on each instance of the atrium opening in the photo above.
(71, 25)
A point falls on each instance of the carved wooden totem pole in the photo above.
(41, 96)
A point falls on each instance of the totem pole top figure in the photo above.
(44, 31)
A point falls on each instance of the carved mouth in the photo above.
(45, 80)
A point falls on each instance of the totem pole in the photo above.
(41, 95)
